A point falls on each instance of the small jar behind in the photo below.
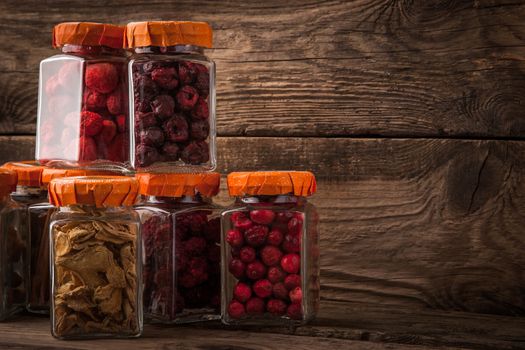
(270, 249)
(181, 239)
(83, 99)
(13, 241)
(173, 85)
(95, 258)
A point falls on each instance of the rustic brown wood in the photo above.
(295, 68)
(422, 224)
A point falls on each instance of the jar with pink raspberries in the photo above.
(83, 99)
(173, 97)
(181, 239)
(270, 249)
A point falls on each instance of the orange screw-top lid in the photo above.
(8, 179)
(168, 33)
(88, 34)
(271, 183)
(178, 185)
(100, 191)
(50, 173)
(29, 172)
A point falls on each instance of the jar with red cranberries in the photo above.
(181, 239)
(270, 249)
(173, 97)
(83, 99)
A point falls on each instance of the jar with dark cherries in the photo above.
(181, 239)
(270, 249)
(173, 97)
(13, 243)
(95, 256)
(83, 99)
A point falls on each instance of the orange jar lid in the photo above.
(178, 185)
(168, 33)
(88, 34)
(100, 191)
(271, 183)
(29, 172)
(50, 173)
(8, 180)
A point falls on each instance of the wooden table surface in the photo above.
(409, 112)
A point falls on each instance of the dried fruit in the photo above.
(271, 255)
(87, 149)
(109, 130)
(275, 237)
(292, 243)
(279, 291)
(235, 238)
(200, 130)
(101, 77)
(276, 307)
(247, 254)
(151, 137)
(295, 226)
(196, 153)
(114, 102)
(291, 263)
(176, 129)
(94, 100)
(170, 151)
(187, 98)
(295, 311)
(236, 309)
(255, 270)
(256, 235)
(201, 110)
(292, 281)
(146, 155)
(242, 292)
(262, 216)
(240, 220)
(262, 288)
(275, 274)
(255, 306)
(237, 268)
(187, 72)
(296, 295)
(90, 123)
(165, 77)
(163, 106)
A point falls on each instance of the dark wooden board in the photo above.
(311, 68)
(422, 224)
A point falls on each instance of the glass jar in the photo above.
(13, 243)
(173, 99)
(83, 99)
(39, 218)
(270, 249)
(96, 284)
(181, 240)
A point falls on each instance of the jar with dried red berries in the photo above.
(95, 258)
(83, 99)
(181, 239)
(270, 249)
(13, 243)
(173, 99)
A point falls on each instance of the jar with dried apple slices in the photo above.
(83, 99)
(181, 239)
(270, 249)
(173, 96)
(96, 274)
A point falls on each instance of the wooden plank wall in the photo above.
(409, 112)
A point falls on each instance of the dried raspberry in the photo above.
(236, 252)
(101, 77)
(276, 307)
(176, 129)
(145, 120)
(263, 288)
(200, 130)
(94, 100)
(255, 270)
(146, 155)
(276, 274)
(242, 292)
(196, 153)
(283, 216)
(152, 136)
(235, 238)
(262, 216)
(109, 130)
(292, 243)
(90, 123)
(170, 151)
(295, 226)
(292, 281)
(202, 83)
(187, 72)
(247, 254)
(187, 98)
(291, 263)
(88, 149)
(279, 291)
(295, 311)
(166, 78)
(255, 306)
(195, 246)
(236, 309)
(114, 102)
(275, 237)
(240, 220)
(163, 106)
(121, 123)
(271, 255)
(149, 66)
(69, 73)
(118, 149)
(237, 268)
(256, 235)
(296, 295)
(201, 111)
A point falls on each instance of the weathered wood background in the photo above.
(411, 114)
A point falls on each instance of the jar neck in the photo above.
(196, 199)
(169, 50)
(28, 191)
(278, 199)
(92, 50)
(92, 210)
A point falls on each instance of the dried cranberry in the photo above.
(176, 129)
(236, 309)
(201, 110)
(237, 268)
(255, 270)
(187, 98)
(152, 136)
(163, 106)
(295, 225)
(262, 288)
(291, 263)
(296, 295)
(262, 216)
(275, 274)
(166, 78)
(255, 306)
(187, 72)
(247, 254)
(240, 220)
(271, 255)
(256, 235)
(276, 307)
(292, 281)
(242, 292)
(200, 130)
(279, 291)
(196, 153)
(275, 237)
(292, 243)
(295, 311)
(235, 238)
(146, 155)
(283, 216)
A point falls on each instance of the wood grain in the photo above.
(421, 224)
(314, 68)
